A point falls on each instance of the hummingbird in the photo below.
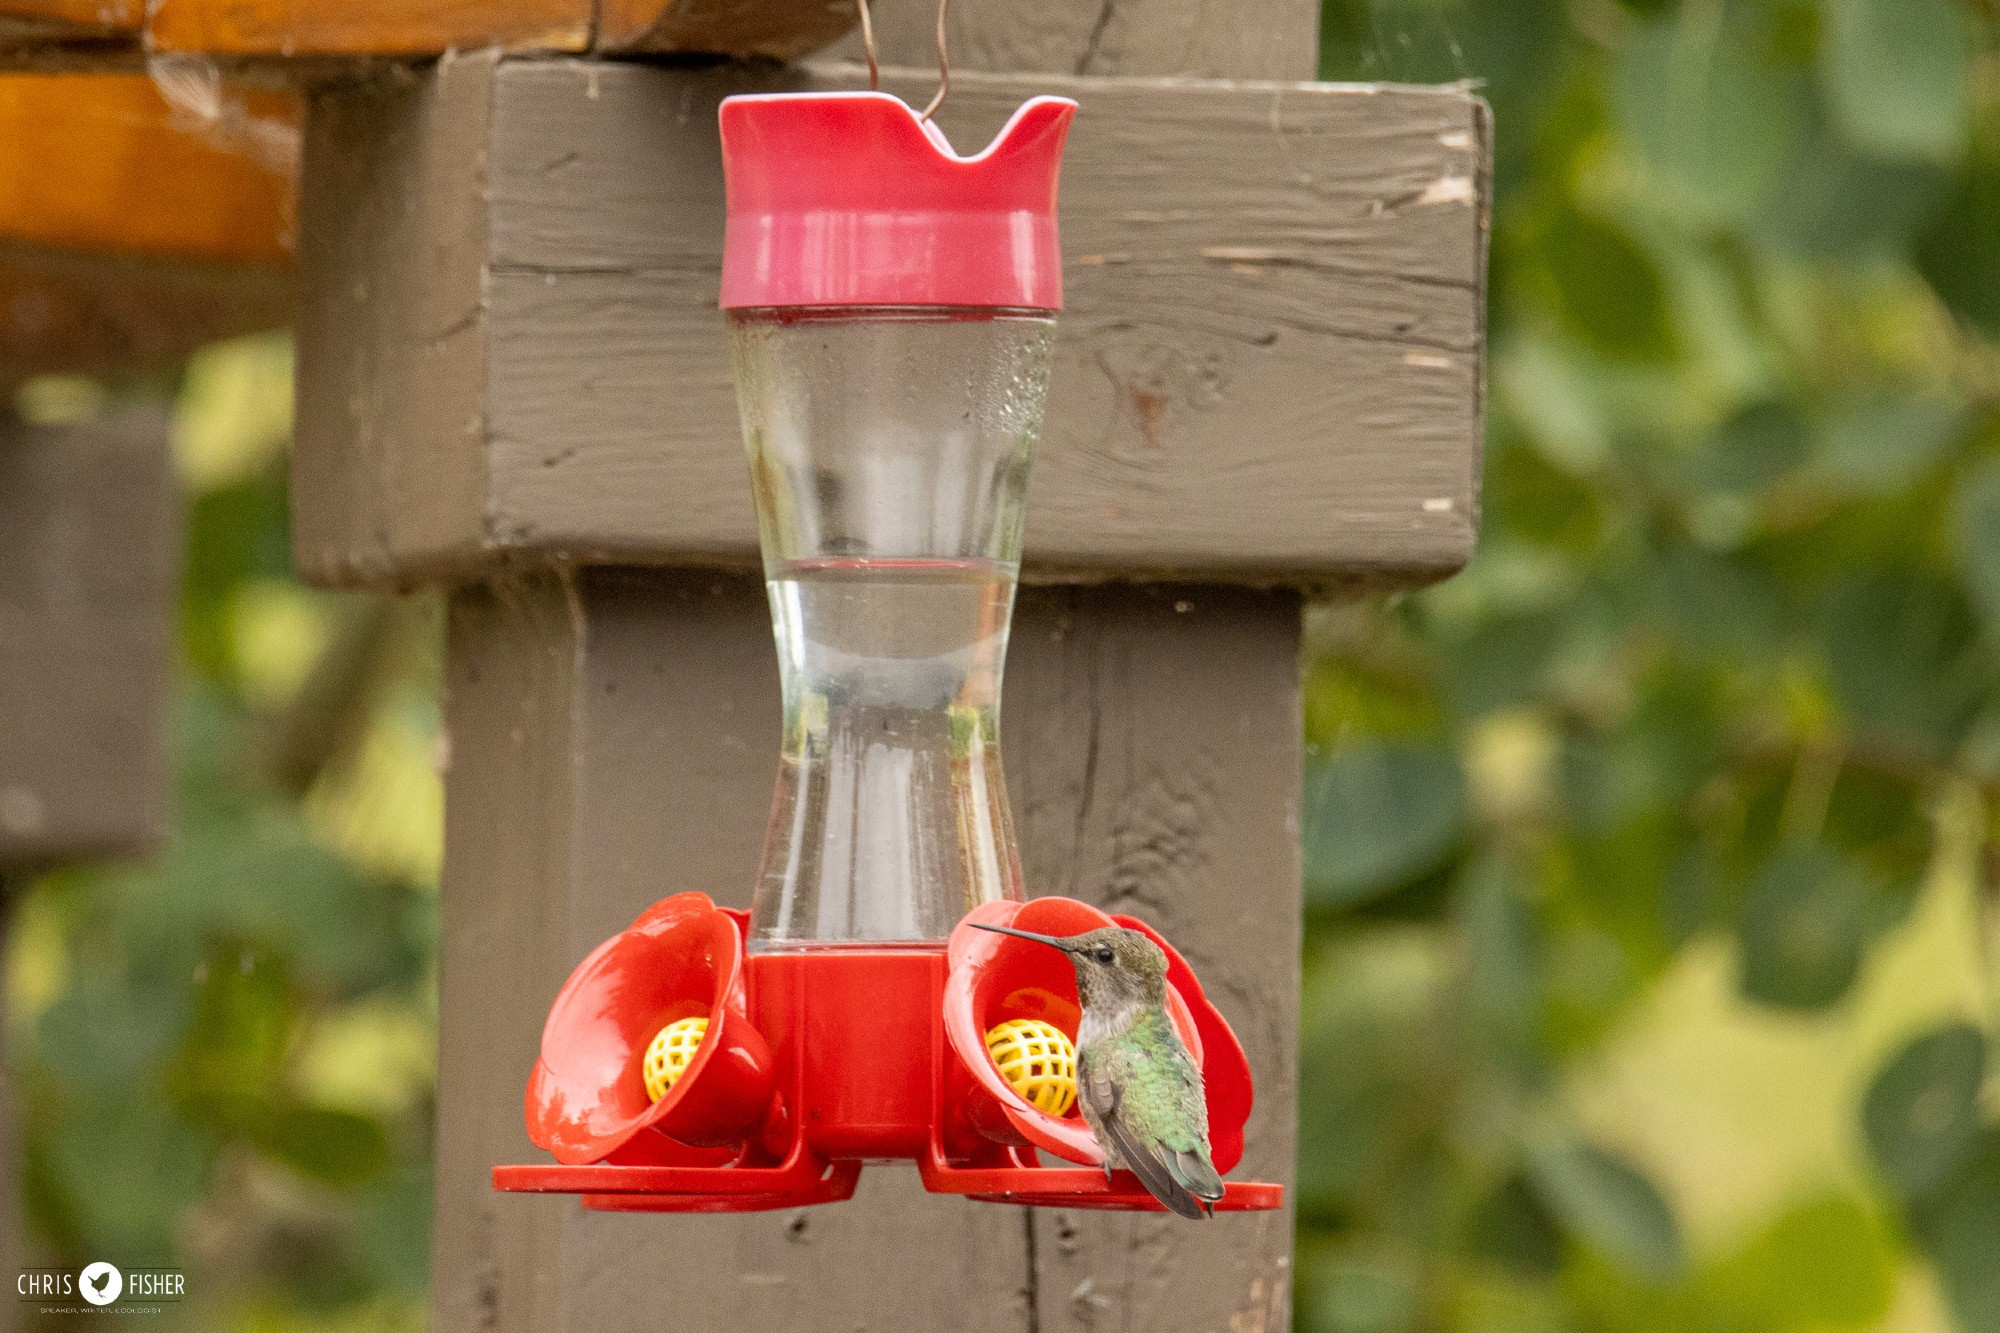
(1139, 1089)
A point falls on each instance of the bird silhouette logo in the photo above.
(101, 1283)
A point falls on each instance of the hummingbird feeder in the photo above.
(890, 307)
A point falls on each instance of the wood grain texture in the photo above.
(63, 312)
(88, 529)
(140, 176)
(288, 29)
(777, 29)
(392, 352)
(1153, 746)
(1206, 39)
(23, 21)
(613, 740)
(1269, 367)
(366, 27)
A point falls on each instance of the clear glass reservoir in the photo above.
(889, 452)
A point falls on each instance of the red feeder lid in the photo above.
(848, 199)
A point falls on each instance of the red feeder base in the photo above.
(869, 1052)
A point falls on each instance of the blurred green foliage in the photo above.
(1723, 682)
(224, 1053)
(1720, 685)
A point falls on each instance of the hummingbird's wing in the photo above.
(1144, 1159)
(1148, 1162)
(1196, 1174)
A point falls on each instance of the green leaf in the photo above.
(1803, 928)
(1959, 1228)
(1956, 252)
(1748, 452)
(235, 1046)
(1838, 203)
(115, 1172)
(1882, 442)
(1976, 537)
(1921, 1115)
(394, 1240)
(1513, 1227)
(1361, 1289)
(1896, 74)
(1903, 658)
(1829, 1262)
(1882, 820)
(1537, 501)
(1372, 1032)
(1714, 118)
(1607, 1203)
(1376, 816)
(1722, 608)
(338, 1148)
(1607, 290)
(1502, 978)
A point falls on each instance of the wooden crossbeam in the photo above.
(1210, 39)
(106, 163)
(132, 229)
(88, 532)
(27, 22)
(366, 27)
(1269, 365)
(397, 28)
(782, 29)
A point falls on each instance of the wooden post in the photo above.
(88, 538)
(513, 380)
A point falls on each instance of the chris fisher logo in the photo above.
(99, 1288)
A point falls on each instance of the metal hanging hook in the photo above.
(875, 68)
(868, 45)
(944, 65)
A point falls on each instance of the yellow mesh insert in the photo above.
(667, 1058)
(1039, 1060)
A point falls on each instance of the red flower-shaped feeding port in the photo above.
(995, 977)
(872, 1054)
(587, 1099)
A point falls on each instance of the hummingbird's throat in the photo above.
(1103, 1021)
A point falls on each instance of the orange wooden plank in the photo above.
(73, 18)
(65, 313)
(366, 27)
(103, 162)
(781, 29)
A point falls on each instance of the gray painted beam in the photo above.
(89, 524)
(1269, 368)
(1204, 39)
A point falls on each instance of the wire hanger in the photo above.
(875, 69)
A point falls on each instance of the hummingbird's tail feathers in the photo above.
(1149, 1162)
(1196, 1175)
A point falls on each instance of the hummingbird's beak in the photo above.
(1053, 941)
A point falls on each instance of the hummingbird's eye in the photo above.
(1104, 954)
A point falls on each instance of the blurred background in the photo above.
(1652, 877)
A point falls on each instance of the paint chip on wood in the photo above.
(1428, 360)
(1450, 190)
(1241, 254)
(1438, 504)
